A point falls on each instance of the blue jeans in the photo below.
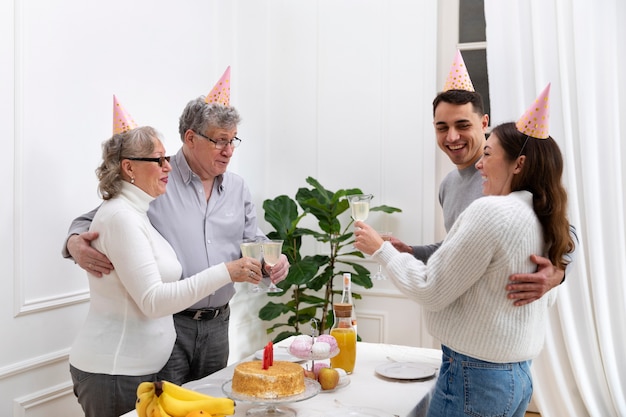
(103, 395)
(471, 387)
(201, 348)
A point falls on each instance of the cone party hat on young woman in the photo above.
(458, 78)
(221, 91)
(122, 120)
(535, 121)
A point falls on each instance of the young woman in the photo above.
(488, 343)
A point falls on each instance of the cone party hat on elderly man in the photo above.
(535, 121)
(458, 77)
(221, 91)
(122, 120)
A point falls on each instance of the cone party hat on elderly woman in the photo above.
(535, 121)
(122, 120)
(458, 78)
(221, 91)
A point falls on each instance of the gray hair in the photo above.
(137, 143)
(199, 116)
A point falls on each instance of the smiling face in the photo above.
(497, 171)
(460, 132)
(203, 157)
(148, 175)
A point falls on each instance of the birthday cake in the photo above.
(281, 379)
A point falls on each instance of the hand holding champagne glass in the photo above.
(252, 248)
(272, 249)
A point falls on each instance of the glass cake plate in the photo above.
(269, 406)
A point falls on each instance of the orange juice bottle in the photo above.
(345, 334)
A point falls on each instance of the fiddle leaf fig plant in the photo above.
(310, 278)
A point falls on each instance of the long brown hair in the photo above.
(541, 175)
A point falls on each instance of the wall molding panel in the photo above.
(34, 363)
(41, 402)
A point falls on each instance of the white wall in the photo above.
(338, 90)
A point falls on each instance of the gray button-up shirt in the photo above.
(204, 233)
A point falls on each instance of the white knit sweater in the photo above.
(129, 329)
(462, 289)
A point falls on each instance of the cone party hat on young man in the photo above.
(535, 121)
(221, 91)
(122, 120)
(458, 77)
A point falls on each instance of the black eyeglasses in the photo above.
(221, 144)
(160, 160)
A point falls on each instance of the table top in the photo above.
(367, 393)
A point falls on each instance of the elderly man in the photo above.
(205, 214)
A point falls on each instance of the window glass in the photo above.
(472, 21)
(476, 62)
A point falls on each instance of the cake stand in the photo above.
(310, 356)
(270, 407)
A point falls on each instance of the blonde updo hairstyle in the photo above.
(135, 143)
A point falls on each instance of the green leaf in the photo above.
(386, 209)
(272, 310)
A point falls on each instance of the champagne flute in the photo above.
(271, 253)
(252, 248)
(360, 205)
(379, 276)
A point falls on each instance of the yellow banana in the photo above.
(142, 403)
(145, 387)
(160, 411)
(176, 407)
(152, 408)
(182, 393)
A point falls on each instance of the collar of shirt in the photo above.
(180, 163)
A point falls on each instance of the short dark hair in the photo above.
(460, 97)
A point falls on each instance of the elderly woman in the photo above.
(129, 331)
(488, 343)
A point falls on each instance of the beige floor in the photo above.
(529, 414)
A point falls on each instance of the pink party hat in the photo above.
(458, 78)
(122, 120)
(221, 92)
(534, 122)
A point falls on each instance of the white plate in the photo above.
(359, 412)
(406, 370)
(280, 354)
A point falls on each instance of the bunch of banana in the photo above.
(165, 399)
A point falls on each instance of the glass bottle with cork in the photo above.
(346, 297)
(345, 334)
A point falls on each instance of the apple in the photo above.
(328, 378)
(309, 374)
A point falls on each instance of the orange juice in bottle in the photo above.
(345, 334)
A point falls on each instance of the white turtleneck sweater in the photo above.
(462, 288)
(129, 329)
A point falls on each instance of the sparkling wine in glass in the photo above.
(271, 253)
(360, 205)
(379, 276)
(252, 248)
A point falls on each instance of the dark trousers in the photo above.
(201, 348)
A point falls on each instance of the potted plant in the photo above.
(311, 277)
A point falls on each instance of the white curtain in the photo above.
(579, 47)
